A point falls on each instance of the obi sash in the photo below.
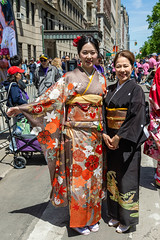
(115, 117)
(85, 108)
(86, 99)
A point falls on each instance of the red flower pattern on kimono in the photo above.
(37, 109)
(78, 155)
(44, 137)
(77, 170)
(99, 149)
(92, 162)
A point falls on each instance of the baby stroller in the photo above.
(26, 145)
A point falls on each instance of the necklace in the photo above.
(88, 73)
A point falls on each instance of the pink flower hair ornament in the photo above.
(76, 40)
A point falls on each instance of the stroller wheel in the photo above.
(19, 162)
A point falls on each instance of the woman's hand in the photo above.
(13, 111)
(115, 141)
(108, 141)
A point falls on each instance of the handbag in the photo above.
(24, 126)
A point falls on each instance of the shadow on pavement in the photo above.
(36, 210)
(147, 178)
(56, 216)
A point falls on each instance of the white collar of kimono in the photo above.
(119, 86)
(88, 75)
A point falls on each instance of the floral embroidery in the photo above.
(78, 155)
(44, 137)
(125, 200)
(53, 125)
(92, 162)
(77, 170)
(50, 116)
(52, 143)
(76, 207)
(86, 174)
(54, 94)
(99, 149)
(37, 109)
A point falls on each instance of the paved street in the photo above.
(26, 213)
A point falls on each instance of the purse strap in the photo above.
(9, 89)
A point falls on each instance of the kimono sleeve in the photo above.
(47, 115)
(132, 127)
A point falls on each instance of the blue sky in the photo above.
(138, 26)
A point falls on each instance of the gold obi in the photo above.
(115, 117)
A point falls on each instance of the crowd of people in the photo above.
(143, 69)
(91, 135)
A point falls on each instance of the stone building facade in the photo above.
(35, 17)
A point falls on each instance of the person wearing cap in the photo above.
(16, 96)
(152, 62)
(45, 75)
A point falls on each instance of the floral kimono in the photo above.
(66, 118)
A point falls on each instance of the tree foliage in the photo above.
(153, 43)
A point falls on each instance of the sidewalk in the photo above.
(5, 160)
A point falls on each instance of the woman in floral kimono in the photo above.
(124, 120)
(152, 146)
(68, 118)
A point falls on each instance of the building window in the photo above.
(63, 4)
(44, 19)
(32, 12)
(52, 22)
(29, 52)
(71, 9)
(73, 12)
(20, 53)
(18, 4)
(59, 25)
(81, 17)
(27, 11)
(34, 52)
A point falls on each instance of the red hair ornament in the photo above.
(76, 40)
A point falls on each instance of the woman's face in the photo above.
(123, 69)
(18, 77)
(88, 56)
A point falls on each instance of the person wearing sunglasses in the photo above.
(45, 75)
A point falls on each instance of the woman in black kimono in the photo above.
(124, 121)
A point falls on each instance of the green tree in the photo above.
(153, 43)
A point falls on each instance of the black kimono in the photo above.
(123, 164)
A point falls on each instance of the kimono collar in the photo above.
(119, 86)
(89, 75)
